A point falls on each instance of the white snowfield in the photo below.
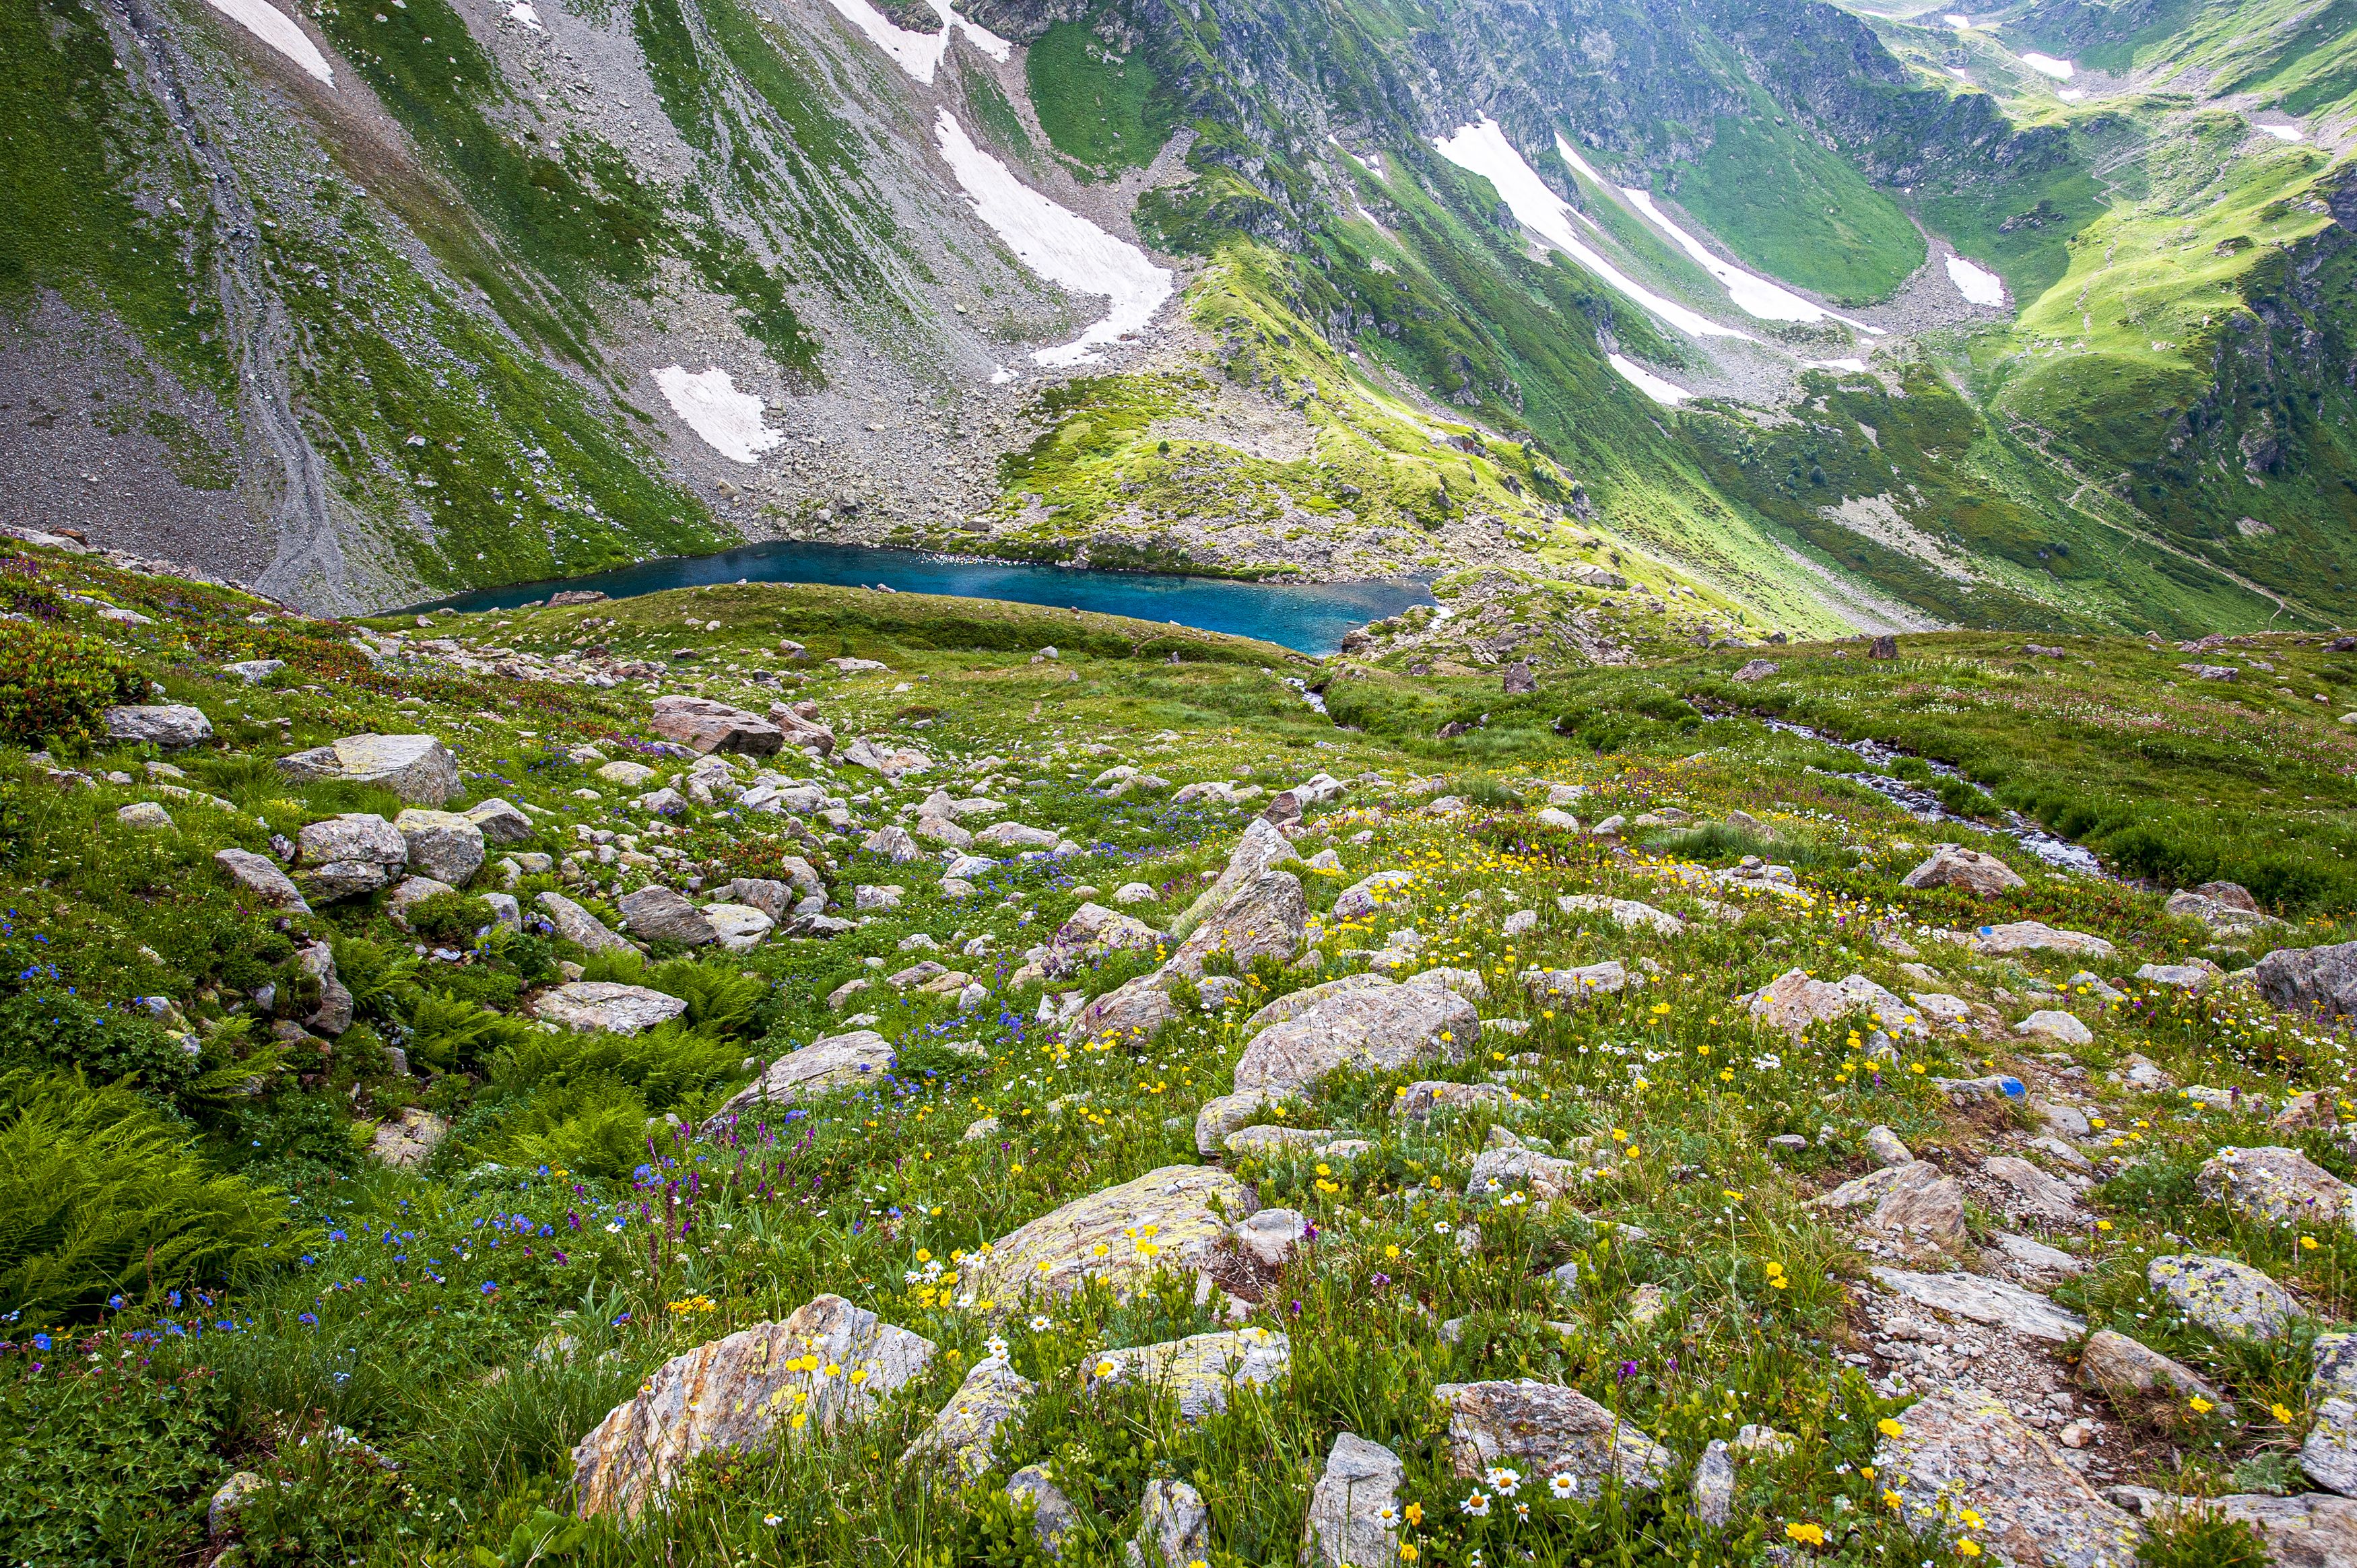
(1570, 155)
(1482, 147)
(1753, 295)
(1664, 393)
(1976, 283)
(2283, 133)
(523, 15)
(1061, 246)
(273, 26)
(728, 421)
(918, 54)
(2047, 65)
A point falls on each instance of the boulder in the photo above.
(1353, 1510)
(1016, 836)
(2051, 1023)
(2115, 1366)
(1294, 1003)
(773, 899)
(1368, 893)
(2321, 980)
(171, 726)
(828, 1062)
(1544, 1430)
(893, 762)
(2032, 1195)
(2232, 1300)
(1271, 1236)
(1974, 871)
(710, 726)
(658, 914)
(1755, 670)
(940, 830)
(1962, 1446)
(1886, 1148)
(1265, 917)
(1916, 1195)
(255, 672)
(2315, 1529)
(1543, 1177)
(577, 925)
(1171, 1217)
(604, 1005)
(417, 768)
(1983, 1300)
(1174, 1526)
(442, 845)
(1626, 913)
(333, 1015)
(144, 814)
(1130, 892)
(2276, 1186)
(1092, 932)
(627, 775)
(1792, 1001)
(1576, 987)
(894, 845)
(1130, 1013)
(1260, 848)
(1465, 982)
(1198, 1372)
(412, 891)
(740, 928)
(1219, 1118)
(1521, 680)
(2333, 1366)
(2330, 1455)
(404, 1141)
(1054, 1516)
(500, 822)
(260, 876)
(1379, 1030)
(829, 1365)
(348, 856)
(1416, 1102)
(962, 1432)
(2036, 936)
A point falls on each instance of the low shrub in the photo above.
(55, 683)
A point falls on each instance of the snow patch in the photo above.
(2071, 95)
(1483, 148)
(1753, 295)
(1000, 375)
(1061, 246)
(2282, 132)
(1976, 283)
(1959, 22)
(523, 14)
(2047, 65)
(918, 54)
(729, 420)
(271, 25)
(1646, 381)
(1570, 155)
(1960, 73)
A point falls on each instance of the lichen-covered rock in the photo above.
(348, 856)
(333, 1015)
(1960, 1448)
(1129, 1014)
(1916, 1195)
(1546, 1430)
(1092, 932)
(1368, 893)
(1170, 1218)
(2030, 1194)
(1260, 848)
(1983, 1300)
(1054, 1516)
(2231, 1300)
(442, 845)
(2053, 1024)
(1174, 1528)
(1574, 987)
(577, 925)
(1293, 1004)
(740, 927)
(260, 876)
(603, 1004)
(1353, 1510)
(2330, 1455)
(829, 1364)
(417, 768)
(1794, 1002)
(963, 1430)
(2322, 979)
(1200, 1372)
(172, 726)
(1379, 1030)
(711, 726)
(1265, 918)
(1415, 1102)
(2114, 1364)
(1512, 1167)
(829, 1062)
(404, 1141)
(500, 822)
(2275, 1186)
(659, 914)
(1953, 865)
(2036, 936)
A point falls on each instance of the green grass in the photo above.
(1102, 110)
(1797, 212)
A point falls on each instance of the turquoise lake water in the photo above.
(1310, 618)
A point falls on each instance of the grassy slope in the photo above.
(1795, 211)
(1104, 111)
(413, 1317)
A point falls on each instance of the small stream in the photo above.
(1924, 806)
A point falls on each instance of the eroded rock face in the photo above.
(1546, 1430)
(710, 726)
(1376, 1030)
(417, 768)
(964, 1431)
(2320, 979)
(1200, 1372)
(1962, 1446)
(743, 1392)
(617, 1009)
(2276, 1185)
(828, 1062)
(2231, 1300)
(1051, 1255)
(1953, 865)
(1351, 1523)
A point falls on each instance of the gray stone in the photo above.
(412, 891)
(627, 775)
(1974, 871)
(2034, 1255)
(1220, 1117)
(1543, 1177)
(1885, 1147)
(2232, 1300)
(737, 1393)
(965, 1430)
(1270, 1236)
(502, 821)
(1260, 848)
(1546, 1430)
(2114, 1365)
(2322, 979)
(1916, 1195)
(1368, 893)
(2329, 1454)
(894, 845)
(1353, 1510)
(144, 814)
(173, 727)
(1129, 1014)
(2036, 936)
(2316, 1529)
(505, 911)
(1962, 1446)
(2275, 1186)
(1191, 1208)
(1574, 987)
(1200, 1372)
(442, 845)
(260, 876)
(1795, 1002)
(603, 1004)
(710, 726)
(1093, 933)
(255, 672)
(1265, 917)
(775, 899)
(1992, 1301)
(1377, 1030)
(348, 856)
(2334, 1367)
(407, 1140)
(1627, 913)
(740, 927)
(658, 914)
(1714, 1480)
(1416, 1102)
(2031, 1193)
(417, 768)
(1053, 1517)
(1174, 1526)
(577, 925)
(1294, 1003)
(2052, 1023)
(333, 1015)
(829, 1062)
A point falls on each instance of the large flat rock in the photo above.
(1377, 1030)
(417, 768)
(829, 1062)
(1961, 1447)
(1983, 1300)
